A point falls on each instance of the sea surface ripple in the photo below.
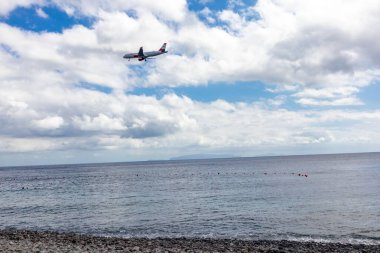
(327, 198)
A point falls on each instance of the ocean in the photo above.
(327, 198)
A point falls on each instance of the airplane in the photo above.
(141, 56)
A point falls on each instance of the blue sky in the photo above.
(241, 77)
(370, 96)
(220, 5)
(57, 20)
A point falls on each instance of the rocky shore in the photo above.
(30, 241)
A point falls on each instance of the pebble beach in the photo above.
(32, 241)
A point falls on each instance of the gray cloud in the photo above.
(151, 129)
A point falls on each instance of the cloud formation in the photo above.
(308, 53)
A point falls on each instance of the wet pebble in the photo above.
(29, 241)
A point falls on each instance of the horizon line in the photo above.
(191, 159)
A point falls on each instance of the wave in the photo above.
(303, 238)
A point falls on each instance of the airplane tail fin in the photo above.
(163, 48)
(141, 52)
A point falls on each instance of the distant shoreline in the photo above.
(31, 241)
(191, 159)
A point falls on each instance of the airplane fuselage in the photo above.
(141, 55)
(146, 54)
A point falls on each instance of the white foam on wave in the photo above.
(341, 240)
(345, 240)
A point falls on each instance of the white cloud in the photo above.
(330, 102)
(40, 12)
(10, 145)
(294, 43)
(69, 58)
(208, 15)
(165, 9)
(234, 20)
(329, 96)
(235, 3)
(285, 47)
(328, 92)
(138, 122)
(52, 122)
(100, 122)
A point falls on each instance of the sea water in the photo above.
(321, 197)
